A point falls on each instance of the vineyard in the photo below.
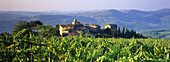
(81, 49)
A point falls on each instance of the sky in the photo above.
(77, 5)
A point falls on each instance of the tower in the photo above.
(75, 22)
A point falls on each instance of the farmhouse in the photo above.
(77, 27)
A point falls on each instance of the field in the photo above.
(83, 49)
(157, 33)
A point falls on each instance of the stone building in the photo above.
(76, 27)
(95, 28)
(75, 22)
(63, 29)
(112, 27)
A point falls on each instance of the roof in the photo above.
(111, 24)
(63, 25)
(70, 25)
(95, 25)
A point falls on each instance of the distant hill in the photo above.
(132, 19)
(157, 33)
(24, 13)
(29, 13)
(4, 16)
(137, 12)
(7, 25)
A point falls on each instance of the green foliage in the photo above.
(126, 33)
(108, 31)
(115, 32)
(48, 30)
(45, 30)
(35, 23)
(86, 49)
(25, 25)
(21, 25)
(123, 32)
(93, 32)
(6, 40)
(27, 46)
(118, 31)
(157, 33)
(4, 36)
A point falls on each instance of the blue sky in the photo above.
(76, 5)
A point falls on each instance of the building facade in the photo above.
(112, 27)
(76, 28)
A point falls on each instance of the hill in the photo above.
(4, 16)
(7, 25)
(132, 19)
(157, 33)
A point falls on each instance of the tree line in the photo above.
(45, 30)
(125, 33)
(27, 45)
(118, 33)
(48, 30)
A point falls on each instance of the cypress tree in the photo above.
(131, 33)
(123, 31)
(127, 33)
(108, 31)
(115, 32)
(118, 31)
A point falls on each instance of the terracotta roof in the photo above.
(94, 25)
(111, 24)
(70, 25)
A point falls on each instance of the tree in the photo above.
(108, 31)
(35, 23)
(21, 25)
(123, 31)
(25, 25)
(134, 33)
(24, 33)
(118, 32)
(48, 30)
(127, 33)
(6, 40)
(115, 32)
